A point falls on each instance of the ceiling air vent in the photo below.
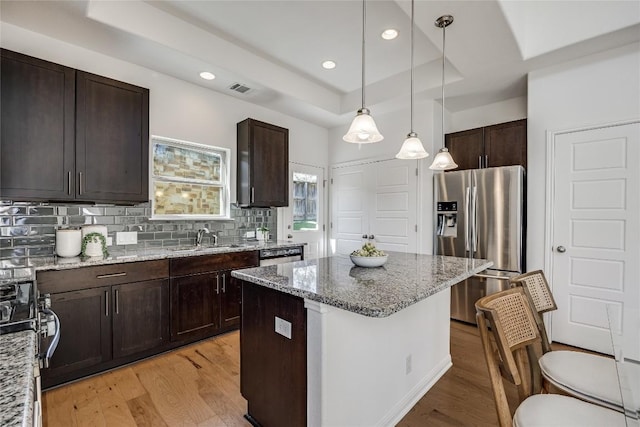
(239, 88)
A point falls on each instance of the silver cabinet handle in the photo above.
(69, 183)
(486, 160)
(224, 283)
(79, 182)
(253, 194)
(289, 236)
(479, 162)
(106, 276)
(117, 302)
(217, 284)
(106, 303)
(561, 249)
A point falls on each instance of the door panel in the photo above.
(350, 219)
(498, 216)
(453, 187)
(596, 205)
(376, 199)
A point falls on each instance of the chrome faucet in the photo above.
(200, 235)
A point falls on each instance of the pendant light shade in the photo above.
(412, 147)
(363, 129)
(443, 160)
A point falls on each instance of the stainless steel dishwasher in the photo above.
(281, 255)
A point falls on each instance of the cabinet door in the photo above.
(263, 164)
(112, 140)
(231, 301)
(85, 331)
(195, 306)
(506, 144)
(37, 128)
(466, 148)
(140, 316)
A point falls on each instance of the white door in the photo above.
(595, 233)
(303, 219)
(376, 199)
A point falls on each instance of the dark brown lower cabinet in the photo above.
(85, 324)
(140, 316)
(230, 301)
(195, 306)
(273, 368)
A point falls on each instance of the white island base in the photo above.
(368, 371)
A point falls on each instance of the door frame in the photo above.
(282, 227)
(550, 197)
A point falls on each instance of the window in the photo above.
(189, 180)
(305, 201)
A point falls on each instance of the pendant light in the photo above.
(363, 129)
(412, 147)
(443, 160)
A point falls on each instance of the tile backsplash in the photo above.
(27, 230)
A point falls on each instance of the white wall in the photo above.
(177, 109)
(599, 89)
(490, 114)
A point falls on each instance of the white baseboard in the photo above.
(401, 409)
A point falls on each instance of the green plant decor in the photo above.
(265, 233)
(95, 238)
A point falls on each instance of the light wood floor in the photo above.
(199, 385)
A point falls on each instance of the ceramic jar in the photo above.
(68, 242)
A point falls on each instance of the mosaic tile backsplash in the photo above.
(27, 230)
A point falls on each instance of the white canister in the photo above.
(102, 229)
(94, 248)
(68, 242)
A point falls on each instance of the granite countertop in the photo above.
(135, 255)
(375, 292)
(17, 358)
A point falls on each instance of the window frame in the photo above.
(224, 183)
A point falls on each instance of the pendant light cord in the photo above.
(411, 94)
(444, 30)
(364, 23)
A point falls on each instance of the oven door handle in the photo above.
(56, 338)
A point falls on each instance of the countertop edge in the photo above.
(355, 307)
(54, 263)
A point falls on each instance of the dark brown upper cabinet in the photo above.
(37, 123)
(70, 135)
(503, 144)
(112, 140)
(263, 164)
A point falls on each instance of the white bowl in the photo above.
(369, 261)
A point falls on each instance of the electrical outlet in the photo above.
(127, 238)
(283, 327)
(109, 241)
(250, 234)
(408, 367)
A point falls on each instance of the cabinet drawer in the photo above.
(103, 275)
(208, 263)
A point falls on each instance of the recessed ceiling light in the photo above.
(207, 75)
(328, 65)
(389, 34)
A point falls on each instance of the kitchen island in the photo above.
(326, 343)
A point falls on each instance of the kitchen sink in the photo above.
(191, 249)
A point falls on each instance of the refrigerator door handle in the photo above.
(467, 228)
(474, 228)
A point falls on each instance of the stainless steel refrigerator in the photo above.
(480, 214)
